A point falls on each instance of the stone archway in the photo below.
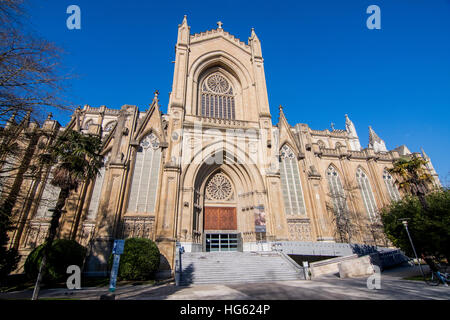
(219, 204)
(230, 210)
(220, 223)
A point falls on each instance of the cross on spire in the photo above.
(219, 24)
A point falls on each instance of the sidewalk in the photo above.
(327, 288)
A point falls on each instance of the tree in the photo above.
(375, 227)
(75, 158)
(29, 67)
(429, 228)
(345, 227)
(30, 84)
(412, 177)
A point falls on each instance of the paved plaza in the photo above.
(393, 287)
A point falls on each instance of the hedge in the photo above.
(139, 261)
(62, 254)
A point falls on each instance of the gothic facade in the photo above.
(216, 172)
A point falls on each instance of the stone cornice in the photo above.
(214, 33)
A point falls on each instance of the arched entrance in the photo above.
(224, 198)
(220, 227)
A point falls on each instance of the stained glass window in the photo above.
(290, 182)
(219, 188)
(217, 98)
(145, 176)
(336, 191)
(366, 193)
(391, 187)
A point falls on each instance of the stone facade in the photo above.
(217, 147)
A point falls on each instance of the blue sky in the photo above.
(321, 61)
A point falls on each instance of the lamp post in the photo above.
(405, 223)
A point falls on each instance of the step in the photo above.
(222, 276)
(236, 267)
(185, 283)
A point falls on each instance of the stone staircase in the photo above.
(238, 267)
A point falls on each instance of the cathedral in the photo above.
(216, 173)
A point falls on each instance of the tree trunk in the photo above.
(63, 195)
(418, 190)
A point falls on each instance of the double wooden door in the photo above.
(220, 218)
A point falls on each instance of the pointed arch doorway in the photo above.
(220, 227)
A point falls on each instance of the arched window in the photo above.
(88, 124)
(109, 126)
(321, 144)
(96, 192)
(49, 198)
(391, 187)
(217, 97)
(145, 176)
(290, 182)
(337, 193)
(366, 193)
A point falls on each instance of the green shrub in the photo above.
(62, 254)
(139, 261)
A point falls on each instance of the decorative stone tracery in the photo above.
(150, 141)
(217, 98)
(219, 188)
(299, 230)
(86, 233)
(138, 227)
(36, 234)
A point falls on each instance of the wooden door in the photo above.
(220, 218)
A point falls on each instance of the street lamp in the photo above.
(405, 223)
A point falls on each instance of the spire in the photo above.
(184, 22)
(352, 134)
(255, 44)
(375, 141)
(12, 120)
(424, 155)
(183, 32)
(26, 119)
(373, 137)
(155, 98)
(430, 167)
(350, 127)
(13, 117)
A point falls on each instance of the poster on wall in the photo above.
(260, 219)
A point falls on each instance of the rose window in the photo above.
(217, 83)
(219, 188)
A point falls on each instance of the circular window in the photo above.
(219, 188)
(218, 83)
